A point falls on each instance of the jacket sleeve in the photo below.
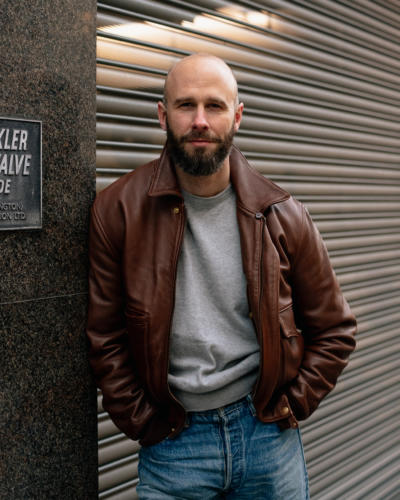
(123, 395)
(325, 319)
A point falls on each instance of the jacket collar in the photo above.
(254, 192)
(164, 181)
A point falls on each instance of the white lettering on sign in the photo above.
(14, 164)
(5, 186)
(14, 140)
(27, 164)
(11, 206)
(20, 174)
(22, 140)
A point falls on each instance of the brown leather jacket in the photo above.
(304, 325)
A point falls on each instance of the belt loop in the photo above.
(251, 405)
(187, 420)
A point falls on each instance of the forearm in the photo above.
(325, 319)
(124, 397)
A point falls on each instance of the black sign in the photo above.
(20, 174)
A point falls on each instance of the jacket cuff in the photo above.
(156, 430)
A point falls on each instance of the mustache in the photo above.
(191, 136)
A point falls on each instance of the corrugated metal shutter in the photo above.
(320, 83)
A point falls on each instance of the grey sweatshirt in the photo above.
(214, 353)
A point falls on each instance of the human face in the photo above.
(201, 115)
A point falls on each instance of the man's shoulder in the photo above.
(285, 220)
(289, 221)
(128, 187)
(289, 208)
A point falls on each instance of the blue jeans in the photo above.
(225, 453)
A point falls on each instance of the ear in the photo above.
(238, 116)
(162, 115)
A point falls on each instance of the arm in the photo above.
(123, 395)
(323, 315)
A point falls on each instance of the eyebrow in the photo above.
(216, 100)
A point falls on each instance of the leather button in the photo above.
(285, 411)
(250, 314)
(176, 210)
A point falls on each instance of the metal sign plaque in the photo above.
(20, 174)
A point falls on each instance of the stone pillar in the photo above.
(48, 431)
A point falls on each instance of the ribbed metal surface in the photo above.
(320, 82)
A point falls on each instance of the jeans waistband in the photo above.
(245, 403)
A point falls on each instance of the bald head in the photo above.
(200, 65)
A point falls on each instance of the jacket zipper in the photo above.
(259, 216)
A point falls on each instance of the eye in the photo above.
(186, 105)
(215, 106)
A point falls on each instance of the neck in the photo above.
(205, 185)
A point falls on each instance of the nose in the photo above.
(200, 119)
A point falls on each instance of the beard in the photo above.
(200, 162)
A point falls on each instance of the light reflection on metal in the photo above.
(141, 31)
(254, 17)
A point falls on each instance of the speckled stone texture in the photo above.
(48, 431)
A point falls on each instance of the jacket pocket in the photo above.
(292, 346)
(137, 324)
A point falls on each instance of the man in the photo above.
(215, 320)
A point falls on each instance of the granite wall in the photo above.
(48, 441)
